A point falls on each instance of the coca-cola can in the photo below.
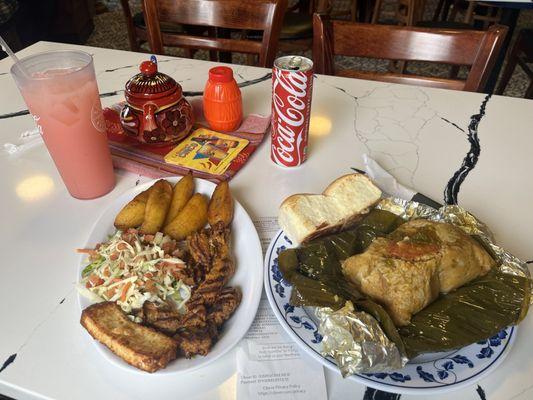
(292, 87)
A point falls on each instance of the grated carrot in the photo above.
(125, 291)
(85, 251)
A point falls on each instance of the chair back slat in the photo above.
(399, 43)
(232, 14)
(256, 15)
(207, 43)
(441, 83)
(476, 49)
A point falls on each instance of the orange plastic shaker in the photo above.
(222, 100)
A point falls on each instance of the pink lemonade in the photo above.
(65, 104)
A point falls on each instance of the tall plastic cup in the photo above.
(60, 90)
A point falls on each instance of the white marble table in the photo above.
(419, 134)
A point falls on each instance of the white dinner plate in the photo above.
(427, 374)
(248, 258)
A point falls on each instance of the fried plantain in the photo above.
(183, 191)
(190, 219)
(220, 206)
(132, 214)
(156, 207)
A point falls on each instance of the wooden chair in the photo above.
(408, 12)
(260, 15)
(296, 29)
(521, 54)
(472, 18)
(492, 15)
(296, 33)
(446, 11)
(137, 34)
(135, 37)
(477, 49)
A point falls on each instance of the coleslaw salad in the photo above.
(131, 268)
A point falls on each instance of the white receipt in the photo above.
(266, 227)
(269, 364)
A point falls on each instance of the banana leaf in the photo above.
(472, 313)
(315, 287)
(384, 320)
(377, 223)
(314, 270)
(288, 264)
(312, 293)
(320, 259)
(316, 260)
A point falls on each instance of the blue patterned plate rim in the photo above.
(508, 334)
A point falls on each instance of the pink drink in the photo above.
(62, 95)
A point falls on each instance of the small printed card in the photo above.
(269, 364)
(207, 151)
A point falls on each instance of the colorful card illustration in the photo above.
(207, 151)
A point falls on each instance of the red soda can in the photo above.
(292, 87)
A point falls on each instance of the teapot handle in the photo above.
(148, 121)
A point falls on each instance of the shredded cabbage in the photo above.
(134, 271)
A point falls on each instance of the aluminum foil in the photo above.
(355, 339)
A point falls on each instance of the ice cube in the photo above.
(70, 103)
(65, 112)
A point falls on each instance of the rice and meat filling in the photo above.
(407, 270)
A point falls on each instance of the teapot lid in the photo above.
(150, 83)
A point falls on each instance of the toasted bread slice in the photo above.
(306, 216)
(142, 347)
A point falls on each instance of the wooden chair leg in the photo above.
(353, 11)
(213, 54)
(323, 6)
(512, 60)
(529, 91)
(419, 7)
(250, 59)
(469, 15)
(362, 10)
(507, 73)
(452, 9)
(401, 13)
(400, 67)
(499, 13)
(411, 5)
(377, 10)
(130, 27)
(454, 71)
(438, 10)
(408, 11)
(223, 56)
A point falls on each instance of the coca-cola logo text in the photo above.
(289, 117)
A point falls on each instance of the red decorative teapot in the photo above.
(156, 112)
